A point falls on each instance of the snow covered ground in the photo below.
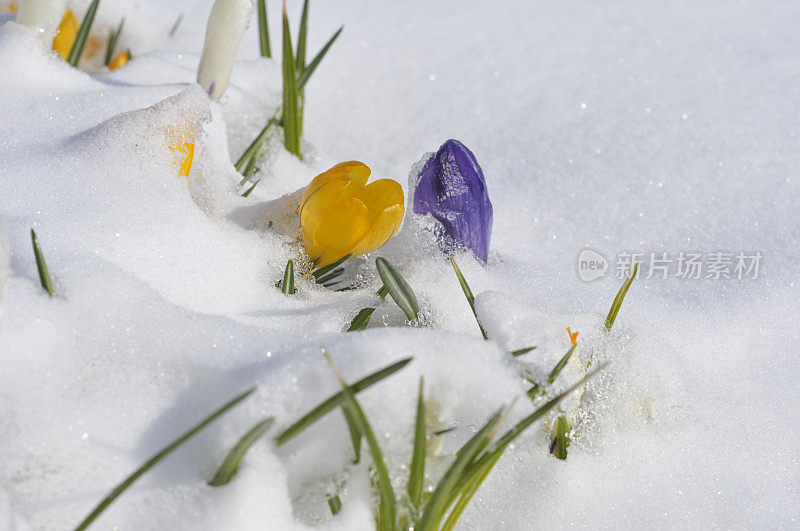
(660, 127)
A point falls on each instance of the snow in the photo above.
(623, 127)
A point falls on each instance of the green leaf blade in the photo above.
(83, 34)
(416, 476)
(618, 300)
(446, 491)
(263, 30)
(332, 402)
(361, 320)
(41, 265)
(287, 286)
(113, 37)
(291, 131)
(308, 70)
(398, 288)
(387, 513)
(230, 466)
(468, 294)
(127, 482)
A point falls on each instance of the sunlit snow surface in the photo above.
(621, 127)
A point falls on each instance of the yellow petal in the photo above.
(381, 231)
(186, 160)
(317, 207)
(353, 172)
(380, 195)
(119, 61)
(341, 229)
(67, 32)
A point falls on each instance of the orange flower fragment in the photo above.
(573, 337)
(119, 61)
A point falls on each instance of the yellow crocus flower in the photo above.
(341, 215)
(119, 61)
(67, 33)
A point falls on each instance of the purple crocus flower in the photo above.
(452, 189)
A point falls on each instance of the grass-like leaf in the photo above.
(361, 320)
(334, 504)
(231, 463)
(291, 132)
(287, 286)
(331, 403)
(355, 432)
(41, 265)
(254, 147)
(560, 437)
(309, 69)
(473, 477)
(251, 153)
(263, 29)
(83, 34)
(468, 294)
(113, 37)
(387, 512)
(300, 63)
(119, 489)
(447, 489)
(336, 273)
(247, 192)
(398, 288)
(617, 304)
(537, 389)
(522, 351)
(175, 26)
(324, 270)
(416, 476)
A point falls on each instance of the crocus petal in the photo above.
(385, 202)
(345, 225)
(186, 161)
(119, 61)
(381, 231)
(43, 16)
(67, 33)
(352, 171)
(451, 188)
(380, 195)
(318, 206)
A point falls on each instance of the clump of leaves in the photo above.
(442, 508)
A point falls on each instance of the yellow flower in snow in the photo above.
(181, 142)
(341, 215)
(119, 61)
(67, 33)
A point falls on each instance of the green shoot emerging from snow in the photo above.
(442, 508)
(44, 275)
(468, 294)
(230, 466)
(617, 304)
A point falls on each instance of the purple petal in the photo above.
(452, 189)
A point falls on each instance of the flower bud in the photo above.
(226, 25)
(451, 188)
(43, 16)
